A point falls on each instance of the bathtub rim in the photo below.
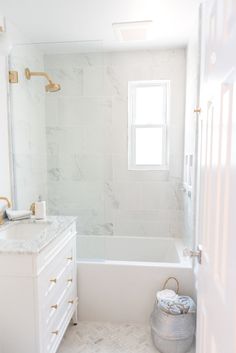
(178, 242)
(186, 264)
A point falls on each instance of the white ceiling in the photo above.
(75, 20)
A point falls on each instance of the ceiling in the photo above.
(82, 20)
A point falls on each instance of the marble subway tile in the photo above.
(71, 80)
(128, 195)
(88, 146)
(93, 84)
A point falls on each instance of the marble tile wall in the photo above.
(86, 126)
(27, 110)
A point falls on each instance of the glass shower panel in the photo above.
(60, 138)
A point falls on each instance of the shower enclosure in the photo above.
(70, 147)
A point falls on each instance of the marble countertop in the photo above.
(55, 225)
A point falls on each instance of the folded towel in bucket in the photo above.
(166, 294)
(180, 305)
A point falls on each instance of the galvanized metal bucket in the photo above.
(173, 331)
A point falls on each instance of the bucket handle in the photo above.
(176, 282)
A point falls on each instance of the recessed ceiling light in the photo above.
(132, 31)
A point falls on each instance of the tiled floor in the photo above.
(96, 337)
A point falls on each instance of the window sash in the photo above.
(132, 159)
(133, 126)
(132, 90)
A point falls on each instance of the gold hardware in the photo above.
(71, 302)
(197, 110)
(70, 280)
(50, 87)
(2, 212)
(70, 258)
(13, 76)
(54, 306)
(32, 208)
(53, 280)
(1, 218)
(3, 25)
(7, 200)
(55, 332)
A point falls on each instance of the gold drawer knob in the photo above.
(70, 280)
(53, 280)
(55, 332)
(70, 258)
(71, 302)
(54, 306)
(197, 110)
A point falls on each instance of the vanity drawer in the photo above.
(54, 303)
(51, 278)
(54, 249)
(56, 329)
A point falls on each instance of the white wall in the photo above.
(87, 144)
(5, 169)
(5, 175)
(28, 127)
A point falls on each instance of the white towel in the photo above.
(166, 294)
(17, 215)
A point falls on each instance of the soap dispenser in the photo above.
(39, 209)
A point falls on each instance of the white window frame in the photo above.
(132, 85)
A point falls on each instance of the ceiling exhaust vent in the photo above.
(132, 31)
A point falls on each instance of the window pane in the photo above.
(150, 107)
(149, 146)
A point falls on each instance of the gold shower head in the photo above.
(50, 87)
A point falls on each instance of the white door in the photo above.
(216, 225)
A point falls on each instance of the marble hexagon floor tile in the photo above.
(97, 337)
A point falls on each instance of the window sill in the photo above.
(149, 168)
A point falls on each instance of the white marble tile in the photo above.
(93, 81)
(95, 337)
(86, 195)
(97, 139)
(132, 58)
(84, 167)
(28, 121)
(71, 80)
(137, 223)
(77, 59)
(122, 173)
(119, 111)
(87, 143)
(159, 195)
(86, 121)
(76, 111)
(128, 195)
(52, 110)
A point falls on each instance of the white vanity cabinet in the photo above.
(38, 295)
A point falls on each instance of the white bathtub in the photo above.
(119, 276)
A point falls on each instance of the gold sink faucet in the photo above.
(2, 212)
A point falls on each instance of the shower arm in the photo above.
(29, 73)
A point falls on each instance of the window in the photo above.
(148, 117)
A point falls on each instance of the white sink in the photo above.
(23, 231)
